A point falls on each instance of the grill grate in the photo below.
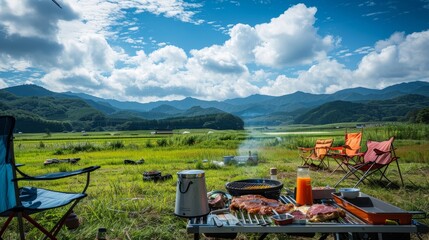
(246, 218)
(255, 219)
(249, 186)
(265, 187)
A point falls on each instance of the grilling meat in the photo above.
(217, 201)
(257, 204)
(298, 215)
(322, 213)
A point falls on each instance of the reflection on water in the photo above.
(294, 133)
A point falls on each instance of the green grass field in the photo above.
(129, 208)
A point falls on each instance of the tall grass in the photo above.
(399, 131)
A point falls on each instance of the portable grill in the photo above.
(265, 187)
(251, 159)
(349, 226)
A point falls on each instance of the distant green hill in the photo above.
(55, 114)
(354, 104)
(397, 109)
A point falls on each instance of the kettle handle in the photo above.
(187, 188)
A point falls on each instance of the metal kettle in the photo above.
(191, 194)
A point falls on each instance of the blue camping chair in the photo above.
(21, 202)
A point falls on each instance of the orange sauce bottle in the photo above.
(304, 194)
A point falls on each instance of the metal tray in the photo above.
(373, 210)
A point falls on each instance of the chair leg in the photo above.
(6, 224)
(348, 174)
(352, 170)
(339, 164)
(42, 229)
(60, 223)
(365, 175)
(347, 161)
(400, 174)
(355, 172)
(305, 162)
(21, 226)
(20, 216)
(324, 165)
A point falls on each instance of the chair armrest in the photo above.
(339, 148)
(322, 148)
(58, 175)
(379, 152)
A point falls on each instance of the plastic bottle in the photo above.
(304, 194)
(273, 173)
(101, 234)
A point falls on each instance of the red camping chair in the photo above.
(316, 154)
(376, 159)
(350, 151)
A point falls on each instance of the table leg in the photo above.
(263, 236)
(196, 236)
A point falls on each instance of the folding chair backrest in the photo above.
(322, 147)
(353, 141)
(385, 146)
(7, 186)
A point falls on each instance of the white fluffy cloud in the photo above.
(90, 51)
(2, 83)
(28, 33)
(327, 76)
(76, 53)
(291, 39)
(397, 59)
(242, 42)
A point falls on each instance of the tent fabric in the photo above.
(322, 147)
(352, 143)
(7, 187)
(372, 148)
(39, 199)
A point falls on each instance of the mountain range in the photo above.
(298, 107)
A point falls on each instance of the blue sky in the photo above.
(213, 50)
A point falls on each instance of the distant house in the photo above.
(360, 125)
(162, 132)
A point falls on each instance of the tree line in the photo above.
(49, 114)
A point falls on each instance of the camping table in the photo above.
(350, 225)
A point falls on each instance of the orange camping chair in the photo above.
(316, 153)
(376, 159)
(350, 151)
